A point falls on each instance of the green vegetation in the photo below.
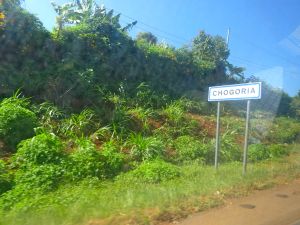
(154, 171)
(258, 152)
(41, 149)
(5, 179)
(116, 126)
(188, 149)
(139, 200)
(169, 156)
(16, 122)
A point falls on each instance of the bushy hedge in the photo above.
(284, 130)
(16, 124)
(42, 149)
(86, 161)
(113, 160)
(152, 172)
(41, 162)
(258, 152)
(45, 177)
(188, 148)
(5, 180)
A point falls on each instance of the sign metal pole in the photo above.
(217, 136)
(246, 138)
(247, 91)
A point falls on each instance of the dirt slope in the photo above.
(277, 206)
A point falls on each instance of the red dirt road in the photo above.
(277, 206)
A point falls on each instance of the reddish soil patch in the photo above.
(240, 140)
(206, 124)
(170, 152)
(154, 124)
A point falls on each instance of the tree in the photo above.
(210, 50)
(147, 37)
(295, 105)
(10, 3)
(65, 14)
(211, 53)
(85, 11)
(90, 49)
(24, 50)
(90, 42)
(284, 108)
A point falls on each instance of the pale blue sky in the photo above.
(265, 34)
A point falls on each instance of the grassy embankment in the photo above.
(72, 170)
(115, 202)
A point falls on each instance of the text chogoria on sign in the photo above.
(235, 92)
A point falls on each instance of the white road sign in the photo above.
(235, 92)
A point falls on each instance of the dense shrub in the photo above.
(14, 196)
(197, 105)
(42, 177)
(26, 196)
(16, 124)
(41, 149)
(113, 159)
(188, 148)
(86, 161)
(277, 150)
(41, 161)
(5, 179)
(284, 130)
(147, 98)
(153, 172)
(186, 127)
(258, 152)
(230, 150)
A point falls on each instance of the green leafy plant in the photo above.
(284, 130)
(16, 123)
(42, 149)
(86, 161)
(258, 152)
(120, 116)
(102, 134)
(113, 160)
(153, 172)
(277, 150)
(188, 148)
(146, 98)
(45, 177)
(5, 179)
(169, 131)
